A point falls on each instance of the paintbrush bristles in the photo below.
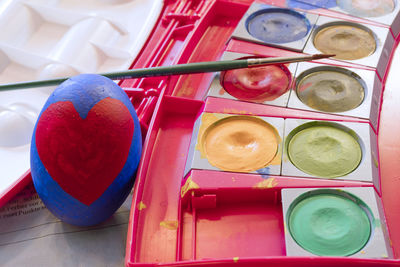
(321, 56)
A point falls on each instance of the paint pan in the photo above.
(346, 41)
(265, 85)
(280, 27)
(330, 150)
(334, 222)
(361, 44)
(236, 143)
(257, 85)
(324, 151)
(331, 89)
(329, 223)
(276, 25)
(385, 12)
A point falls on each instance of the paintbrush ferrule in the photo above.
(258, 62)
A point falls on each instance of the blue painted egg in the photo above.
(85, 150)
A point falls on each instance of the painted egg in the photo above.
(85, 150)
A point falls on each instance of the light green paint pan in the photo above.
(324, 151)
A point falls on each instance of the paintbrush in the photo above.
(190, 68)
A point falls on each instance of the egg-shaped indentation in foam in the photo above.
(55, 70)
(93, 42)
(16, 124)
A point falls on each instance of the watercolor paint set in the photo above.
(233, 175)
(281, 165)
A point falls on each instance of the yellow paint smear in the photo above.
(238, 143)
(268, 183)
(141, 205)
(189, 185)
(186, 89)
(376, 163)
(285, 231)
(170, 225)
(235, 111)
(207, 119)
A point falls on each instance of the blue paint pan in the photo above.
(279, 27)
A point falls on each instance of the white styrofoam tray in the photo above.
(43, 39)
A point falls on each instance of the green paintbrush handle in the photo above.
(189, 68)
(200, 67)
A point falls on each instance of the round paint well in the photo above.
(240, 143)
(277, 25)
(328, 222)
(348, 41)
(367, 8)
(257, 84)
(330, 89)
(324, 149)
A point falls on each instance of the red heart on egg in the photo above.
(84, 156)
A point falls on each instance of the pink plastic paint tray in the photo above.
(210, 217)
(220, 218)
